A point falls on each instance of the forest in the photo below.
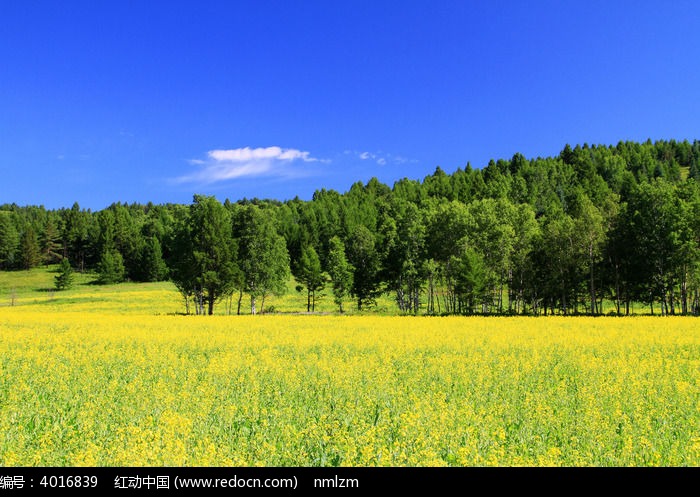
(591, 231)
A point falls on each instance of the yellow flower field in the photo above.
(109, 389)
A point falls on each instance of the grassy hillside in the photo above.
(36, 288)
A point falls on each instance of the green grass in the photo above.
(36, 284)
(36, 287)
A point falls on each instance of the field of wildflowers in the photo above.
(99, 386)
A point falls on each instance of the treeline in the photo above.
(565, 234)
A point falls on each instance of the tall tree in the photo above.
(180, 262)
(9, 240)
(559, 261)
(470, 280)
(110, 269)
(76, 235)
(263, 256)
(30, 253)
(491, 234)
(364, 257)
(64, 279)
(213, 251)
(310, 275)
(340, 271)
(526, 230)
(589, 226)
(688, 264)
(50, 242)
(654, 218)
(152, 266)
(402, 233)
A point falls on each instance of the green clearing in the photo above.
(36, 287)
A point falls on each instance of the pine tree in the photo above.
(64, 279)
(152, 267)
(694, 171)
(9, 241)
(50, 243)
(111, 267)
(30, 253)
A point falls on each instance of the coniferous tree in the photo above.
(30, 253)
(152, 267)
(694, 171)
(50, 243)
(9, 241)
(78, 236)
(64, 279)
(556, 234)
(110, 269)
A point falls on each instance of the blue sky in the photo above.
(138, 101)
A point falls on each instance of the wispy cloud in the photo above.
(380, 158)
(222, 165)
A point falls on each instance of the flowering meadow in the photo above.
(104, 387)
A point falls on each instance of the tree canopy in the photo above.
(564, 234)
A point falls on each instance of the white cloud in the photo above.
(246, 162)
(382, 158)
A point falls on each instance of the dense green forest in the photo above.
(547, 235)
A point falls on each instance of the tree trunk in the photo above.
(594, 311)
(684, 293)
(431, 303)
(617, 289)
(399, 298)
(563, 299)
(500, 296)
(672, 297)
